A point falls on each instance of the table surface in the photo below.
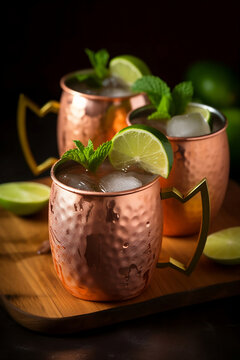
(205, 331)
(208, 330)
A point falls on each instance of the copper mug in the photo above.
(106, 246)
(195, 158)
(81, 117)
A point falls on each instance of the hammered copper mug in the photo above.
(105, 246)
(81, 116)
(195, 158)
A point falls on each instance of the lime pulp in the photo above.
(128, 68)
(224, 246)
(197, 109)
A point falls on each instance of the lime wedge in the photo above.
(224, 246)
(23, 198)
(144, 147)
(196, 109)
(128, 68)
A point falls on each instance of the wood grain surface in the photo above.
(34, 297)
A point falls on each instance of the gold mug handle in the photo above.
(23, 104)
(174, 193)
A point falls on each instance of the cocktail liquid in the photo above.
(186, 125)
(111, 87)
(105, 179)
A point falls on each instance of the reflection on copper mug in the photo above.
(80, 117)
(105, 246)
(194, 158)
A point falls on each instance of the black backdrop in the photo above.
(44, 40)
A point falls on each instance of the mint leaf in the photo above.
(102, 57)
(153, 86)
(91, 57)
(166, 103)
(99, 62)
(163, 109)
(99, 155)
(89, 150)
(75, 155)
(182, 95)
(86, 155)
(79, 145)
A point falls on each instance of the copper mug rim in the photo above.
(190, 138)
(90, 96)
(96, 193)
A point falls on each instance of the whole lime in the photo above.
(214, 83)
(233, 130)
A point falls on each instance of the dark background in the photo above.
(44, 40)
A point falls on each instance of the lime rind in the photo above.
(24, 198)
(142, 146)
(224, 246)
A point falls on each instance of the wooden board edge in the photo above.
(73, 324)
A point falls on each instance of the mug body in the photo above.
(195, 158)
(83, 116)
(105, 246)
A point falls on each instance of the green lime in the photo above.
(224, 246)
(196, 109)
(23, 198)
(144, 147)
(214, 83)
(128, 68)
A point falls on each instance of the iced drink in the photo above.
(185, 125)
(112, 86)
(105, 230)
(105, 215)
(200, 151)
(105, 179)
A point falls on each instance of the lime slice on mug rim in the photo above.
(142, 146)
(129, 68)
(196, 109)
(224, 246)
(24, 197)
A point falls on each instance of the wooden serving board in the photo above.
(34, 297)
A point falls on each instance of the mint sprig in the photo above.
(86, 155)
(182, 95)
(99, 61)
(167, 103)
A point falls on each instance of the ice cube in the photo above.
(187, 125)
(119, 181)
(78, 181)
(143, 177)
(114, 92)
(114, 87)
(114, 82)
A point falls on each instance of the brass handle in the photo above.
(174, 193)
(23, 104)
